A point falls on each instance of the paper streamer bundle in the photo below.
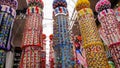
(7, 15)
(61, 39)
(32, 42)
(109, 32)
(95, 54)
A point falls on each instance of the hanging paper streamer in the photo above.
(7, 15)
(95, 54)
(109, 31)
(61, 40)
(33, 39)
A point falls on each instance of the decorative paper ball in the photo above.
(43, 36)
(51, 37)
(59, 3)
(11, 3)
(102, 5)
(82, 4)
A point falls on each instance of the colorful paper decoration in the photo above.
(110, 32)
(61, 39)
(7, 14)
(92, 44)
(33, 31)
(96, 51)
(33, 55)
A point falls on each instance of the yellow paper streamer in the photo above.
(95, 53)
